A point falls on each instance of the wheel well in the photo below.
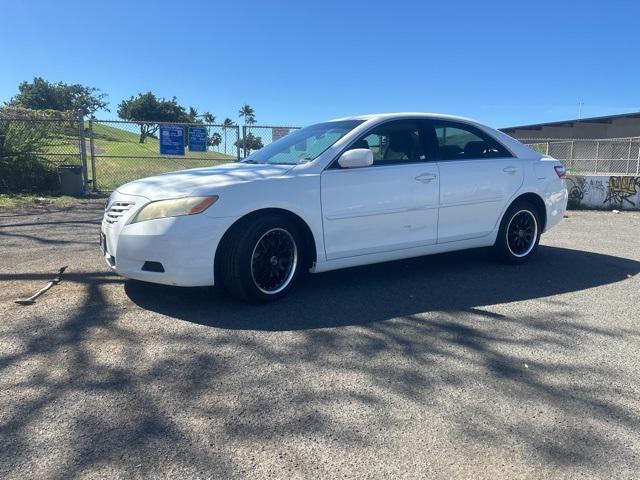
(537, 202)
(309, 244)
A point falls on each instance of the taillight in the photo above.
(561, 171)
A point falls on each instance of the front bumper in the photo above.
(185, 246)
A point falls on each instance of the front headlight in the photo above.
(174, 208)
(108, 202)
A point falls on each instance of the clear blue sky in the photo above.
(297, 62)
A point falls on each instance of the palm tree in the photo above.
(193, 114)
(208, 118)
(248, 113)
(227, 123)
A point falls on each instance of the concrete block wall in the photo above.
(618, 192)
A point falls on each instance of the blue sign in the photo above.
(197, 139)
(171, 140)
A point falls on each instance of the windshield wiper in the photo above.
(250, 161)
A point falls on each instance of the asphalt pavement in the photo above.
(450, 366)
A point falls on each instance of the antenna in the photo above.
(580, 104)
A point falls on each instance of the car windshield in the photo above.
(303, 145)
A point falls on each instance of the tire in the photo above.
(519, 233)
(261, 258)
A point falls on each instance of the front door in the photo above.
(390, 205)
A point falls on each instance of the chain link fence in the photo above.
(121, 151)
(254, 137)
(32, 148)
(607, 156)
(113, 152)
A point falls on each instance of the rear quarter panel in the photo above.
(542, 179)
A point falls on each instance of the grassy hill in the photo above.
(120, 157)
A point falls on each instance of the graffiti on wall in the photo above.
(580, 187)
(623, 189)
(596, 191)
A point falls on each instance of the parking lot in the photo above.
(451, 366)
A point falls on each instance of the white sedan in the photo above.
(337, 194)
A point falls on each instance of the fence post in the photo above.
(629, 158)
(244, 141)
(595, 169)
(83, 150)
(93, 157)
(571, 155)
(237, 142)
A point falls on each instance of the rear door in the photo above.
(478, 176)
(390, 205)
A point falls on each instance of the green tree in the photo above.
(249, 143)
(149, 111)
(248, 113)
(208, 118)
(43, 95)
(226, 124)
(215, 139)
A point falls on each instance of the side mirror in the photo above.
(358, 157)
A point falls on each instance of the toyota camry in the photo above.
(346, 192)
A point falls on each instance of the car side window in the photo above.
(393, 143)
(463, 142)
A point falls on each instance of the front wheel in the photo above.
(519, 233)
(261, 259)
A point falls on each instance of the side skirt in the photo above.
(367, 259)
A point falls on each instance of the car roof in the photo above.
(400, 115)
(517, 148)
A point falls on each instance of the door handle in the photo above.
(426, 177)
(510, 170)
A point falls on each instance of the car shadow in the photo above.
(459, 281)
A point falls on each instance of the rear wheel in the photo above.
(519, 233)
(261, 258)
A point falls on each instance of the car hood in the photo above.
(200, 180)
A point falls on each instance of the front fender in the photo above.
(299, 195)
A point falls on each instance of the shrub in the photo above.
(21, 166)
(25, 139)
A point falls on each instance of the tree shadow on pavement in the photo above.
(532, 395)
(459, 281)
(75, 380)
(418, 365)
